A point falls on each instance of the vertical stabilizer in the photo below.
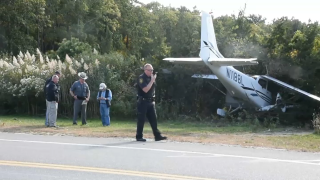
(209, 52)
(209, 47)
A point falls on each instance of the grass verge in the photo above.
(284, 138)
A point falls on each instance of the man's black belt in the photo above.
(147, 98)
(81, 97)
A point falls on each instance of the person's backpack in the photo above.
(45, 85)
(105, 95)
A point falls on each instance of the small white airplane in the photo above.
(243, 89)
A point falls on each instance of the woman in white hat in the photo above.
(104, 97)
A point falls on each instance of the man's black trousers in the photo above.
(146, 109)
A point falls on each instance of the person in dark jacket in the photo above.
(52, 97)
(44, 90)
(146, 104)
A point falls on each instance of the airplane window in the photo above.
(263, 83)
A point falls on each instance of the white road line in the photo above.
(311, 160)
(166, 150)
(192, 156)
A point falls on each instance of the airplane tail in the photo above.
(209, 47)
(209, 51)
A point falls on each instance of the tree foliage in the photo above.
(75, 35)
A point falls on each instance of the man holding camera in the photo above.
(81, 93)
(146, 103)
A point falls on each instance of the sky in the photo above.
(269, 9)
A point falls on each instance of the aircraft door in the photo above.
(263, 83)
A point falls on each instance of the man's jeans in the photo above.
(104, 112)
(52, 109)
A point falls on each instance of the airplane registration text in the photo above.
(234, 76)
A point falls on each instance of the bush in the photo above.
(72, 47)
(23, 78)
(316, 123)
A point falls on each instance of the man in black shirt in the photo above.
(52, 97)
(146, 105)
(44, 90)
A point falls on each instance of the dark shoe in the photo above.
(160, 138)
(75, 124)
(141, 139)
(54, 126)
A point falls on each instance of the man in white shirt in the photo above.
(104, 97)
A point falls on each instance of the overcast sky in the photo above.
(270, 9)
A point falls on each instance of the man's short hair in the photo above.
(148, 64)
(55, 76)
(57, 72)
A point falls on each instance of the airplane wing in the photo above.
(205, 76)
(191, 61)
(232, 61)
(291, 87)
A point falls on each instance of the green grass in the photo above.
(184, 131)
(310, 142)
(177, 127)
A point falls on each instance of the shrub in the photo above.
(23, 78)
(316, 123)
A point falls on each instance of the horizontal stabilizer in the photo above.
(291, 87)
(191, 61)
(205, 76)
(232, 61)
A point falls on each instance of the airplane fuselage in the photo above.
(241, 86)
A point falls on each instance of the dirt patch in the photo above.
(286, 132)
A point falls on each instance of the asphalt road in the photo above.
(36, 157)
